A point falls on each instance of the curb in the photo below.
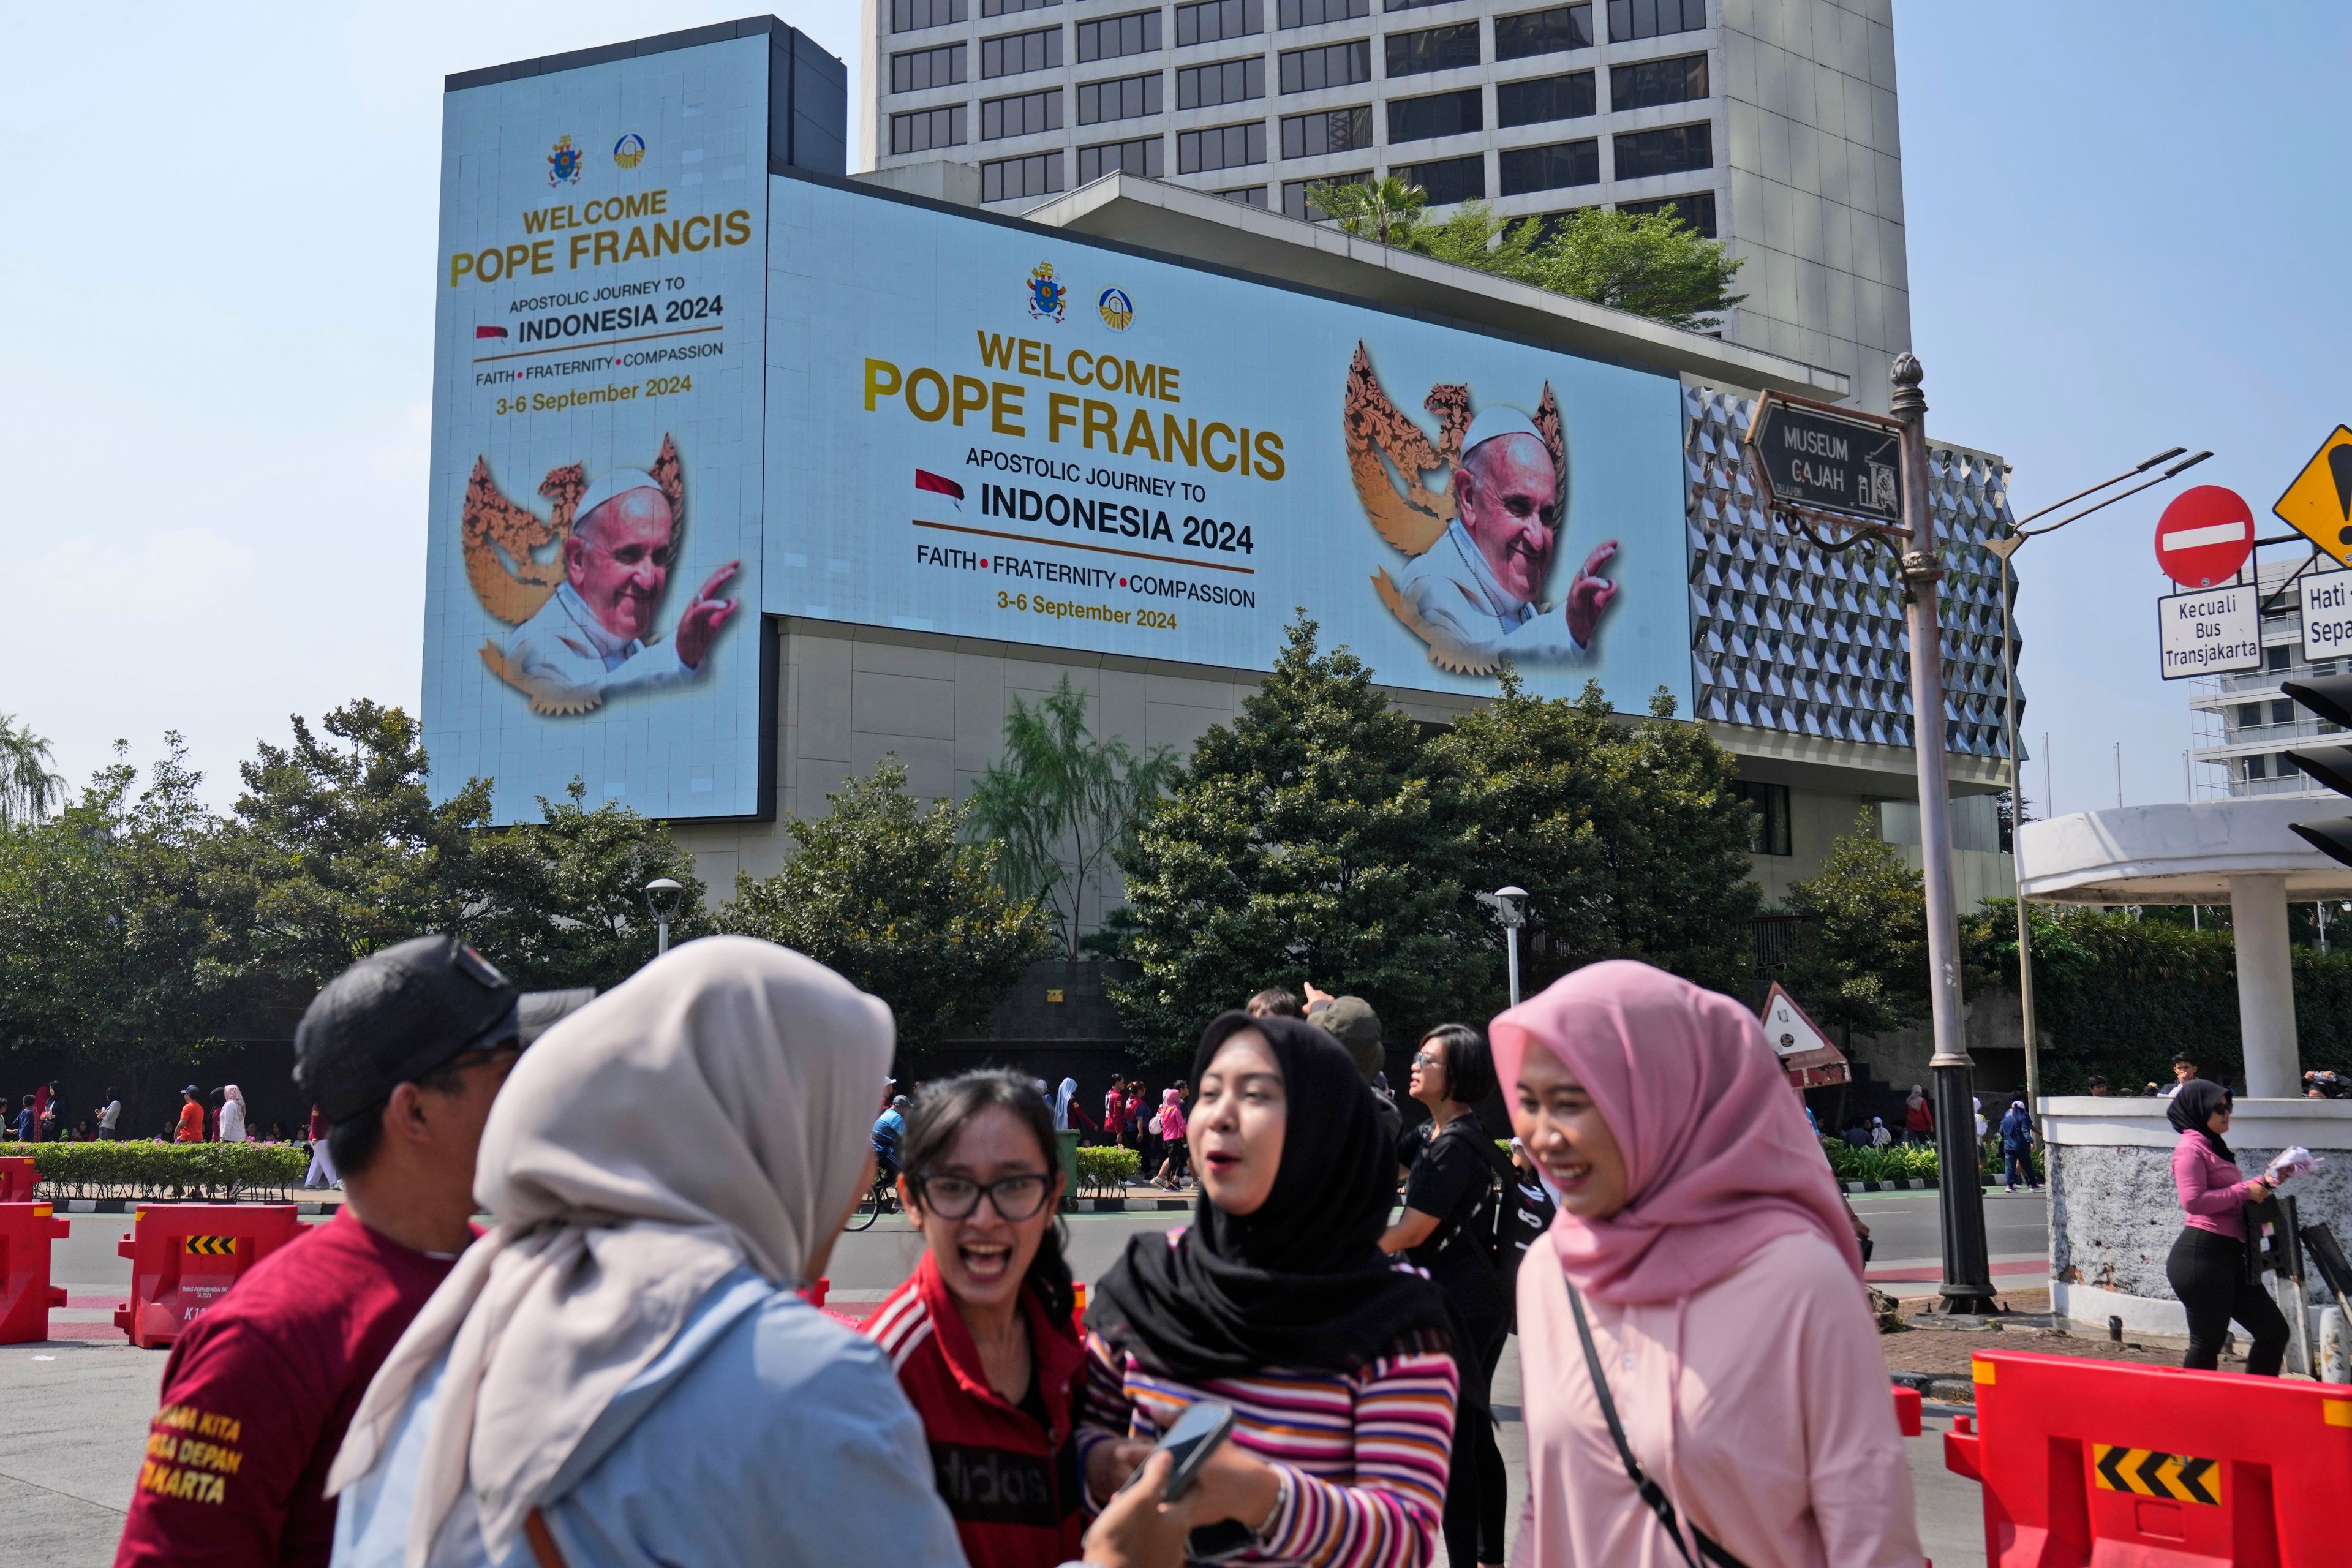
(1908, 1184)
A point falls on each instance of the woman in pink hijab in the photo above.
(1702, 1245)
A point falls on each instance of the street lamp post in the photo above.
(662, 895)
(1510, 907)
(2007, 548)
(1968, 1268)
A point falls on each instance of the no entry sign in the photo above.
(2204, 536)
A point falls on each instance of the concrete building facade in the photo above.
(2243, 725)
(1769, 123)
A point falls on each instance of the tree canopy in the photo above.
(1651, 264)
(1861, 962)
(883, 891)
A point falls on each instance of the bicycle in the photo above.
(882, 1197)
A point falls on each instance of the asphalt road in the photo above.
(80, 1406)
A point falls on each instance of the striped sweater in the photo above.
(1363, 1455)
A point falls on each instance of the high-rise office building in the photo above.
(1770, 124)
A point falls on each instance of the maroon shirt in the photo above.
(256, 1397)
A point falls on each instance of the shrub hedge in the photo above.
(145, 1170)
(1899, 1161)
(1103, 1170)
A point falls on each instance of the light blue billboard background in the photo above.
(855, 533)
(600, 281)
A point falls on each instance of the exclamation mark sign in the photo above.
(2339, 466)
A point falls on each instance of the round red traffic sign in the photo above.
(2204, 536)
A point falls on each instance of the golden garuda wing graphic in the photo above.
(514, 560)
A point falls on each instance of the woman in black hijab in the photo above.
(1277, 1300)
(2208, 1263)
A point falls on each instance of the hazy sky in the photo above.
(2128, 231)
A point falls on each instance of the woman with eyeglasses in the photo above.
(982, 1334)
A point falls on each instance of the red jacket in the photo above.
(1012, 1486)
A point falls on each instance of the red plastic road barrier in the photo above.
(17, 1179)
(1907, 1411)
(184, 1257)
(26, 1294)
(2149, 1467)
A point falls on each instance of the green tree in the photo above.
(1387, 209)
(336, 850)
(112, 950)
(1627, 836)
(1063, 803)
(1317, 837)
(565, 897)
(28, 786)
(1862, 964)
(882, 890)
(1652, 264)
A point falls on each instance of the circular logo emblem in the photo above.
(1117, 310)
(629, 151)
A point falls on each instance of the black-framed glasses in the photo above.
(957, 1197)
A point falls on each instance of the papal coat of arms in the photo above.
(1047, 299)
(563, 163)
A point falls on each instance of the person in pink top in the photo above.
(2207, 1265)
(1701, 1286)
(1171, 1128)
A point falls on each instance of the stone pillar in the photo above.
(2265, 987)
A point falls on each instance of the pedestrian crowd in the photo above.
(623, 1367)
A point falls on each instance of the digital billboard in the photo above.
(594, 562)
(984, 430)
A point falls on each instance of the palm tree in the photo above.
(28, 786)
(1387, 209)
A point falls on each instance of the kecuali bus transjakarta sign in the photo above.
(966, 427)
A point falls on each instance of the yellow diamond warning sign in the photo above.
(2318, 505)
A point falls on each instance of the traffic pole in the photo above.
(1967, 1270)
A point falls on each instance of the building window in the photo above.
(1439, 114)
(928, 128)
(1293, 191)
(2250, 715)
(1433, 50)
(912, 15)
(2277, 658)
(1653, 83)
(1698, 209)
(1390, 7)
(1771, 804)
(1553, 168)
(2255, 768)
(1122, 98)
(1544, 98)
(1543, 32)
(1038, 175)
(1449, 180)
(1024, 114)
(1333, 65)
(1315, 12)
(1145, 156)
(1018, 52)
(1213, 21)
(1109, 37)
(2283, 766)
(2283, 710)
(1631, 19)
(1231, 81)
(1248, 195)
(1012, 7)
(1334, 130)
(1222, 147)
(1677, 150)
(919, 68)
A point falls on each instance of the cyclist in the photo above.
(890, 1134)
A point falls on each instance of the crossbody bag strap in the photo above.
(1651, 1491)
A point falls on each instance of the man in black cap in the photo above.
(403, 1053)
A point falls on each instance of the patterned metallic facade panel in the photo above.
(1787, 636)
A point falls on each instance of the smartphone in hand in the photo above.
(1195, 1436)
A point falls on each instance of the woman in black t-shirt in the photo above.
(1448, 1228)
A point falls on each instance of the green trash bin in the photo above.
(1069, 1142)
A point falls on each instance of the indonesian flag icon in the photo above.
(481, 332)
(940, 484)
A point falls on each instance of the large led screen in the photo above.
(990, 431)
(592, 603)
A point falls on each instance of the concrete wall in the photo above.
(2115, 1214)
